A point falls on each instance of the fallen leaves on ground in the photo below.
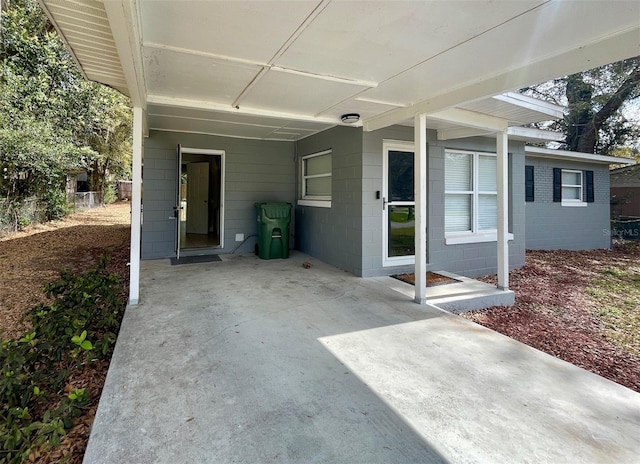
(34, 257)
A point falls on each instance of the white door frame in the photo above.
(206, 151)
(387, 146)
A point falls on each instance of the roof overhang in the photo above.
(574, 156)
(304, 64)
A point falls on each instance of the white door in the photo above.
(198, 198)
(398, 204)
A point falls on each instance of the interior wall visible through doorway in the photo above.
(200, 222)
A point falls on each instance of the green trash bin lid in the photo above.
(275, 210)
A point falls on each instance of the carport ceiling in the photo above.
(276, 64)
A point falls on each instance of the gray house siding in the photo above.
(551, 226)
(473, 259)
(255, 171)
(372, 245)
(334, 234)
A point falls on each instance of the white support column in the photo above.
(502, 142)
(136, 206)
(420, 182)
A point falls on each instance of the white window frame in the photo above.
(475, 235)
(319, 201)
(572, 201)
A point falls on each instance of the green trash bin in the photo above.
(273, 230)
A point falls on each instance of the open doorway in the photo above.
(200, 199)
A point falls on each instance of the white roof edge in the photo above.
(574, 155)
(541, 135)
(524, 101)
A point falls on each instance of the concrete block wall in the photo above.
(372, 245)
(551, 226)
(473, 259)
(334, 235)
(255, 171)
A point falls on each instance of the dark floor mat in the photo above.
(195, 259)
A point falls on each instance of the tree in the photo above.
(52, 120)
(596, 101)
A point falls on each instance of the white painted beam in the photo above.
(502, 149)
(603, 51)
(162, 100)
(471, 119)
(136, 205)
(529, 133)
(420, 189)
(461, 133)
(125, 27)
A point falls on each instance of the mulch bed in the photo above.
(433, 279)
(35, 256)
(554, 314)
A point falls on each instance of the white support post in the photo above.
(420, 182)
(502, 142)
(136, 206)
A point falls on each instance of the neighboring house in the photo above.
(625, 191)
(238, 102)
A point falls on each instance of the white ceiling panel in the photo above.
(372, 40)
(237, 125)
(528, 38)
(180, 75)
(293, 93)
(248, 30)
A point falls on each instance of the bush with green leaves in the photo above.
(78, 326)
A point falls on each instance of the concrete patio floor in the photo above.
(250, 361)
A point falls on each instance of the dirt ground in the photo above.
(35, 256)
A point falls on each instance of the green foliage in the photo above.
(56, 204)
(52, 120)
(602, 107)
(79, 325)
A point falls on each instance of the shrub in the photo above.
(78, 326)
(56, 204)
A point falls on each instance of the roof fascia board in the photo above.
(124, 21)
(206, 105)
(574, 156)
(471, 119)
(533, 134)
(610, 49)
(523, 101)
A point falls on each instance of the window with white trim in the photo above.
(470, 204)
(316, 179)
(571, 186)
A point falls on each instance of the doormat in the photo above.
(195, 259)
(433, 279)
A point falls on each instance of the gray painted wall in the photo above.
(334, 234)
(255, 171)
(551, 226)
(473, 259)
(465, 259)
(372, 246)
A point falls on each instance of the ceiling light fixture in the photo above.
(350, 118)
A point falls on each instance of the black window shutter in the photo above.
(590, 190)
(557, 184)
(528, 183)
